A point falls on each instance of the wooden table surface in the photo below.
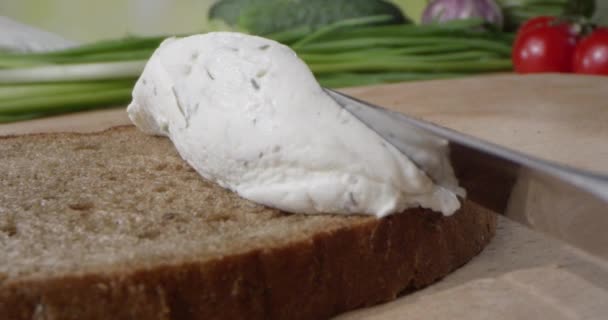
(521, 274)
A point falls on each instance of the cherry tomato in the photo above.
(591, 55)
(544, 46)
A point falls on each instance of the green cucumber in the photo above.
(270, 16)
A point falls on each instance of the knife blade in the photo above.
(564, 202)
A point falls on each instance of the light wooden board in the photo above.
(521, 274)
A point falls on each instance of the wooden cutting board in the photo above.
(521, 274)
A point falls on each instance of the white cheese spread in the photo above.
(248, 114)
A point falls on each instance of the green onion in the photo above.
(388, 55)
(30, 61)
(361, 43)
(73, 72)
(75, 101)
(126, 44)
(20, 91)
(398, 30)
(20, 117)
(340, 24)
(406, 65)
(348, 79)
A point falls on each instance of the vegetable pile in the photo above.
(344, 42)
(348, 52)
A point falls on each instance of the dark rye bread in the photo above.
(114, 225)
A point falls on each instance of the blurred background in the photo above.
(89, 20)
(345, 43)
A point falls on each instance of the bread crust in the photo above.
(330, 273)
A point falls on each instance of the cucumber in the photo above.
(229, 10)
(270, 16)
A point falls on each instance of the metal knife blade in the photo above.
(563, 202)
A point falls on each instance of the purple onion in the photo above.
(446, 10)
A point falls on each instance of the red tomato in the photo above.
(591, 55)
(544, 46)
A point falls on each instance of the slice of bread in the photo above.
(114, 225)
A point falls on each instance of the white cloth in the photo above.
(18, 37)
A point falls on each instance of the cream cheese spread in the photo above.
(248, 114)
